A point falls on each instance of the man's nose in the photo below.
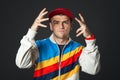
(61, 25)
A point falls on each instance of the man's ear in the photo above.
(51, 27)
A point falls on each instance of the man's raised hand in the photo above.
(83, 27)
(38, 21)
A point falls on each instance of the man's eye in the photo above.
(66, 22)
(55, 22)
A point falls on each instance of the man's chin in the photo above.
(62, 37)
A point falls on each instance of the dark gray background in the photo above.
(101, 16)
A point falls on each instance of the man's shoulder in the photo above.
(75, 43)
(40, 41)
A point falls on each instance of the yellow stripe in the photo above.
(68, 74)
(69, 54)
(47, 63)
(55, 59)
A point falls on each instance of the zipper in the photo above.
(59, 61)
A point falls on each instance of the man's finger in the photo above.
(77, 20)
(42, 11)
(80, 23)
(42, 25)
(82, 19)
(78, 30)
(42, 14)
(79, 33)
(45, 19)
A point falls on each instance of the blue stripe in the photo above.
(69, 67)
(47, 49)
(47, 76)
(71, 46)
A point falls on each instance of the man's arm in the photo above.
(90, 57)
(28, 52)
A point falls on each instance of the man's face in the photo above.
(61, 26)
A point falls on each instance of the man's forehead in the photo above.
(60, 17)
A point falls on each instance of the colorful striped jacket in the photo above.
(46, 57)
(49, 66)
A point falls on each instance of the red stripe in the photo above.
(71, 60)
(46, 70)
(54, 67)
(90, 38)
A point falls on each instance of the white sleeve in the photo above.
(90, 58)
(27, 52)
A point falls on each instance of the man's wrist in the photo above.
(91, 37)
(34, 28)
(31, 33)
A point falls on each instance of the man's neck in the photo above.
(60, 41)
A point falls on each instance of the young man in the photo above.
(58, 57)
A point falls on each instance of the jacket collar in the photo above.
(52, 39)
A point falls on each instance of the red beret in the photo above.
(63, 11)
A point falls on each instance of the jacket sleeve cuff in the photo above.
(90, 42)
(31, 34)
(90, 38)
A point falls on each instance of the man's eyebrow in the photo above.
(63, 21)
(67, 20)
(55, 21)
